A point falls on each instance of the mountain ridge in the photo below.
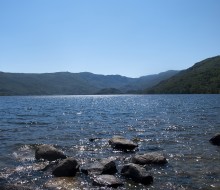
(66, 83)
(202, 78)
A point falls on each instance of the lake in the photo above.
(179, 126)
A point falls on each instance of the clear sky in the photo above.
(126, 37)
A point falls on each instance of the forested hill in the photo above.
(65, 83)
(202, 78)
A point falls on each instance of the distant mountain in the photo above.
(148, 81)
(105, 81)
(109, 91)
(203, 77)
(44, 84)
(65, 83)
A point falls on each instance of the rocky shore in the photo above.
(99, 173)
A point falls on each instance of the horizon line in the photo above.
(39, 73)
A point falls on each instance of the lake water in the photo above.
(179, 126)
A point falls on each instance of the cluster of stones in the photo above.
(102, 172)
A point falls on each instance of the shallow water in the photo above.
(179, 126)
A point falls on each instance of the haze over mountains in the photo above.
(203, 77)
(65, 83)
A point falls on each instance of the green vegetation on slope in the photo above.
(202, 78)
(43, 84)
(65, 83)
(148, 81)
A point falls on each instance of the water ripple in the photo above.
(179, 126)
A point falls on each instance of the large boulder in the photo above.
(136, 173)
(65, 168)
(121, 143)
(216, 139)
(149, 158)
(14, 187)
(104, 166)
(107, 180)
(48, 152)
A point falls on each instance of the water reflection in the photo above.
(177, 126)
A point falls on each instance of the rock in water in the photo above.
(136, 173)
(65, 168)
(107, 180)
(149, 158)
(63, 183)
(14, 187)
(94, 139)
(105, 166)
(109, 166)
(216, 139)
(48, 152)
(120, 143)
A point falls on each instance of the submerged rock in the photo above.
(107, 180)
(48, 152)
(136, 173)
(63, 183)
(65, 168)
(94, 139)
(121, 143)
(2, 180)
(105, 166)
(149, 158)
(216, 139)
(14, 187)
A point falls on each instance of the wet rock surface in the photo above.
(104, 166)
(15, 187)
(107, 180)
(215, 140)
(121, 143)
(62, 183)
(50, 166)
(48, 152)
(136, 173)
(66, 167)
(94, 139)
(149, 158)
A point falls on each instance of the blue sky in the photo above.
(126, 37)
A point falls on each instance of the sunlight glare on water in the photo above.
(179, 126)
